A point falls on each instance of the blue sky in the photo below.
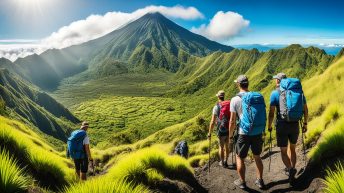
(259, 21)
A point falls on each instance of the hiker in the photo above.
(220, 117)
(249, 108)
(78, 148)
(287, 118)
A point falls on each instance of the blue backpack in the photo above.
(291, 100)
(253, 118)
(75, 146)
(182, 149)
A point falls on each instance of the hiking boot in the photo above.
(239, 183)
(292, 173)
(223, 164)
(260, 184)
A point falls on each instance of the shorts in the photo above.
(81, 165)
(246, 142)
(287, 132)
(224, 140)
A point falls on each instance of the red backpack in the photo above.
(223, 116)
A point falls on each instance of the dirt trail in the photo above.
(221, 180)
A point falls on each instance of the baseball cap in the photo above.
(220, 93)
(241, 79)
(84, 124)
(280, 76)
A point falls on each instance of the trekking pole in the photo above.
(209, 149)
(270, 148)
(303, 146)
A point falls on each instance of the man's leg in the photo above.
(84, 168)
(83, 176)
(221, 148)
(242, 147)
(256, 143)
(282, 142)
(77, 172)
(241, 167)
(292, 155)
(259, 165)
(227, 149)
(285, 157)
(77, 167)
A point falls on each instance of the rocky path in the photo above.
(220, 180)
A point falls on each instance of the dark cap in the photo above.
(280, 76)
(241, 79)
(221, 93)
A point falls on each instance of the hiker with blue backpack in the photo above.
(289, 103)
(220, 117)
(249, 108)
(78, 148)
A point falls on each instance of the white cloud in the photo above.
(93, 27)
(19, 49)
(96, 26)
(222, 26)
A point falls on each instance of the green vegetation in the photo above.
(326, 111)
(12, 178)
(101, 185)
(148, 166)
(39, 159)
(334, 180)
(26, 103)
(124, 120)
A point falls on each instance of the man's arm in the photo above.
(232, 124)
(305, 118)
(211, 126)
(88, 152)
(271, 117)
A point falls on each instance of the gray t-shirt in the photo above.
(216, 110)
(236, 108)
(86, 140)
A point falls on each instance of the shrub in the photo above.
(334, 180)
(104, 185)
(149, 165)
(12, 178)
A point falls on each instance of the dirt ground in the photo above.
(220, 180)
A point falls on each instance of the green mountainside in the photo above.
(149, 43)
(28, 104)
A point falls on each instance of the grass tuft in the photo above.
(12, 178)
(102, 185)
(334, 180)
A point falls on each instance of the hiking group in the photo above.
(241, 124)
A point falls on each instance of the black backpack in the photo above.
(182, 149)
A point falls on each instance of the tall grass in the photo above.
(331, 142)
(328, 117)
(334, 180)
(12, 177)
(102, 185)
(49, 169)
(149, 165)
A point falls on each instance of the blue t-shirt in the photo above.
(274, 101)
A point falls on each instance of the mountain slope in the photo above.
(155, 41)
(32, 106)
(151, 42)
